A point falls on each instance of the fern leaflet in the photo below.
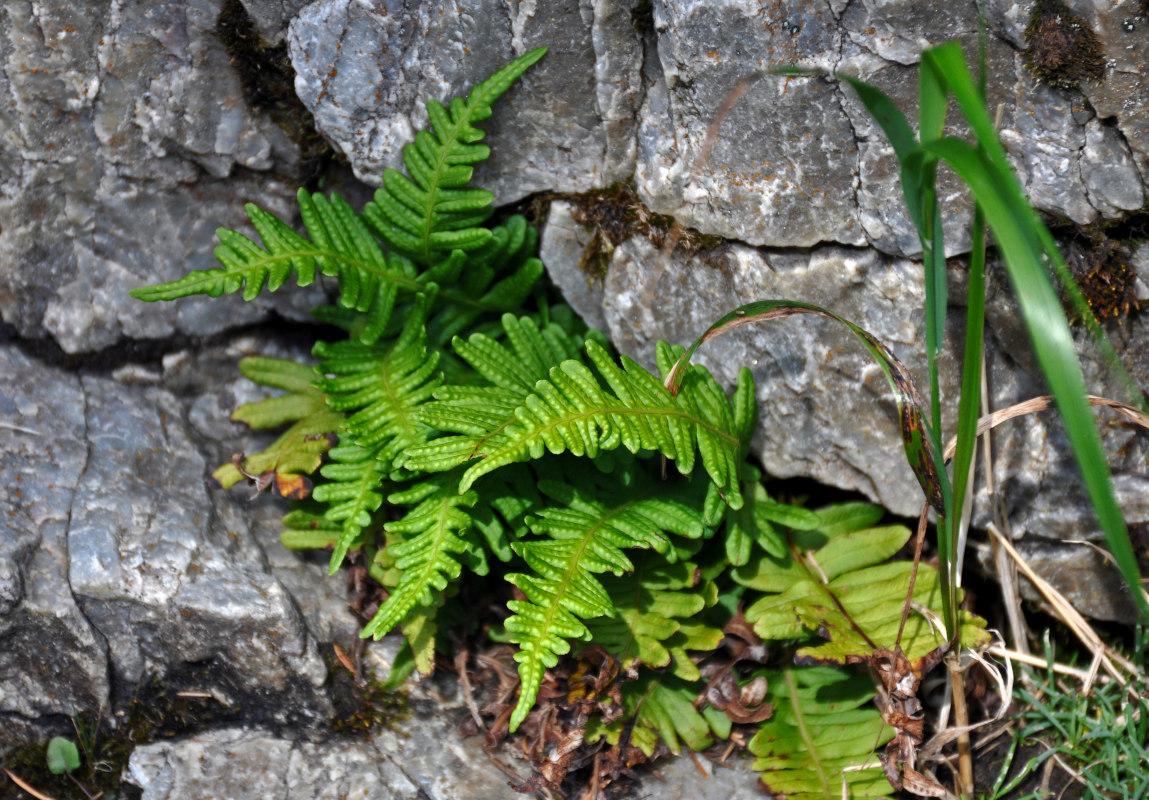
(299, 450)
(587, 536)
(662, 707)
(572, 411)
(432, 213)
(821, 731)
(852, 594)
(427, 558)
(652, 623)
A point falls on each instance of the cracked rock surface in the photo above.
(125, 141)
(127, 137)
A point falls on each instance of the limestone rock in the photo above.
(366, 74)
(44, 447)
(125, 141)
(424, 758)
(120, 559)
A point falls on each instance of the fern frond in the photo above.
(852, 594)
(340, 245)
(661, 707)
(432, 212)
(653, 609)
(511, 366)
(353, 494)
(821, 731)
(308, 529)
(427, 558)
(572, 411)
(754, 522)
(299, 450)
(381, 387)
(587, 537)
(419, 629)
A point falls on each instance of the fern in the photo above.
(573, 411)
(432, 212)
(449, 432)
(428, 556)
(428, 220)
(754, 522)
(299, 450)
(848, 591)
(821, 731)
(661, 708)
(586, 537)
(655, 617)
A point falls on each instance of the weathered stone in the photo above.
(366, 74)
(124, 142)
(1122, 95)
(239, 763)
(43, 453)
(117, 555)
(271, 17)
(423, 758)
(825, 407)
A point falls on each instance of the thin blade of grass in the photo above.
(947, 60)
(917, 439)
(969, 403)
(1006, 211)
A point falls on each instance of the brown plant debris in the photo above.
(616, 213)
(1063, 50)
(898, 682)
(1103, 271)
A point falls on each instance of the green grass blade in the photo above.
(969, 404)
(1011, 220)
(923, 456)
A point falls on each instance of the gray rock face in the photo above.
(125, 141)
(116, 552)
(43, 453)
(427, 760)
(366, 74)
(126, 138)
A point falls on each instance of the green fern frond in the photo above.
(653, 612)
(353, 493)
(419, 629)
(499, 277)
(381, 387)
(299, 450)
(511, 366)
(309, 529)
(427, 558)
(432, 212)
(587, 537)
(429, 219)
(340, 245)
(821, 731)
(572, 411)
(852, 594)
(661, 707)
(754, 522)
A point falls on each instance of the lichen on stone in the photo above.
(1063, 50)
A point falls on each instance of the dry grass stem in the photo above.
(1104, 655)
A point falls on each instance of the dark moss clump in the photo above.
(615, 213)
(268, 82)
(1102, 269)
(1063, 50)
